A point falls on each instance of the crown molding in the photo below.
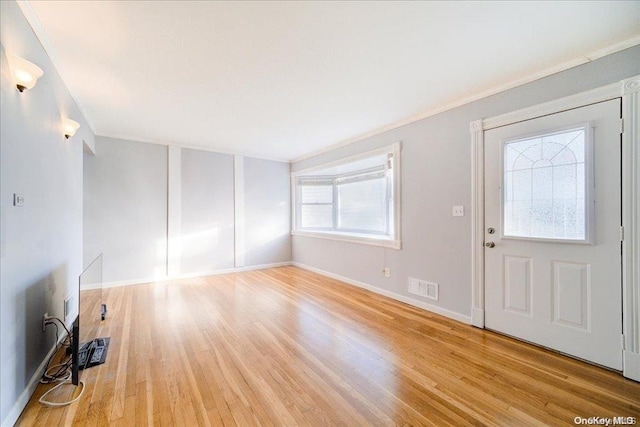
(200, 147)
(625, 44)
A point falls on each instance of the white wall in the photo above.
(207, 213)
(436, 165)
(160, 212)
(40, 242)
(267, 212)
(125, 208)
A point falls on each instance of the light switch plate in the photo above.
(458, 211)
(18, 199)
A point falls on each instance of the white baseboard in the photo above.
(186, 276)
(402, 298)
(26, 394)
(631, 365)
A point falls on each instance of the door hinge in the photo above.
(622, 233)
(621, 126)
(623, 342)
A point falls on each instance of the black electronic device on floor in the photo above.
(93, 353)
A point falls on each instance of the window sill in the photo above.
(364, 239)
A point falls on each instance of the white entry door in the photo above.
(552, 232)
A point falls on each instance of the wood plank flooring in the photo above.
(285, 346)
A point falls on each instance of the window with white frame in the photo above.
(355, 199)
(546, 186)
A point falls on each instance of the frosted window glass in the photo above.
(363, 205)
(544, 186)
(316, 193)
(316, 216)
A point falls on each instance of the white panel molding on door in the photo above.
(629, 91)
(571, 294)
(517, 290)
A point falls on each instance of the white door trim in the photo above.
(631, 224)
(629, 91)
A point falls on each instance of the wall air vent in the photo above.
(423, 288)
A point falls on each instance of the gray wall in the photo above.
(40, 242)
(207, 212)
(436, 165)
(267, 212)
(125, 209)
(137, 194)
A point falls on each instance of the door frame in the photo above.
(629, 91)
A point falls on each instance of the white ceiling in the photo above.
(282, 80)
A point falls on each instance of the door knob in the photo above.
(490, 245)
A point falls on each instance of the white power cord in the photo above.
(48, 403)
(48, 378)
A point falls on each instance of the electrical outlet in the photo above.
(386, 271)
(44, 321)
(68, 308)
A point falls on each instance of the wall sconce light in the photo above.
(25, 73)
(70, 128)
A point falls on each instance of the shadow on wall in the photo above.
(38, 298)
(268, 235)
(268, 247)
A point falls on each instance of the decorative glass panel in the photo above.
(544, 186)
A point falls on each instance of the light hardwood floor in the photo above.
(289, 347)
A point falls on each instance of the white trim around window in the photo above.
(334, 173)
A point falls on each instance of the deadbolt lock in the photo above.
(491, 230)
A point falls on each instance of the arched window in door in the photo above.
(545, 188)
